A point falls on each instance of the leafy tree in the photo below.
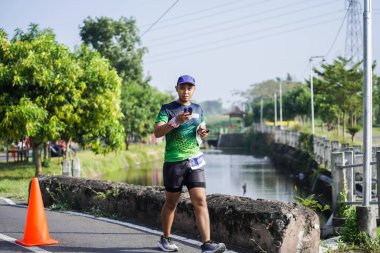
(48, 93)
(338, 90)
(98, 114)
(142, 103)
(297, 103)
(118, 41)
(36, 73)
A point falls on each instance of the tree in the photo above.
(297, 103)
(117, 40)
(36, 72)
(98, 111)
(338, 90)
(142, 104)
(48, 93)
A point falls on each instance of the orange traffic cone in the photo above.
(36, 228)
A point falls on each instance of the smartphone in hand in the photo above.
(188, 110)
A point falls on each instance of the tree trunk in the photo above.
(46, 150)
(37, 159)
(126, 142)
(344, 122)
(338, 124)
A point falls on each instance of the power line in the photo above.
(243, 42)
(247, 34)
(211, 15)
(150, 27)
(167, 38)
(197, 12)
(336, 36)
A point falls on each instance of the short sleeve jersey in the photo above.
(181, 142)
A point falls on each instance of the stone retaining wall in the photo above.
(259, 225)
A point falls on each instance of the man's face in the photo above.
(185, 91)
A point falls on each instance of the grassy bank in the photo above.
(15, 177)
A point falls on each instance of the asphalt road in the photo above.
(82, 233)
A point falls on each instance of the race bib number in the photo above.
(197, 162)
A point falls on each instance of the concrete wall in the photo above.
(259, 225)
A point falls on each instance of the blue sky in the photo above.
(225, 44)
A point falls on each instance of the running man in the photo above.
(183, 125)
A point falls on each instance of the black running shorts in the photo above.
(178, 174)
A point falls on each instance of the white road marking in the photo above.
(8, 201)
(12, 240)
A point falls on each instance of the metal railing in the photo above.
(346, 173)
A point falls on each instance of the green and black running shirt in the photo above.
(181, 142)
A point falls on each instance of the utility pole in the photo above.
(261, 113)
(366, 214)
(312, 92)
(275, 109)
(281, 105)
(367, 112)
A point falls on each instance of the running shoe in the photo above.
(166, 244)
(213, 247)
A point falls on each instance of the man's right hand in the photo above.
(182, 117)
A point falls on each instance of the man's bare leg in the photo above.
(198, 199)
(168, 211)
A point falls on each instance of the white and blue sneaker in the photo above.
(213, 247)
(166, 244)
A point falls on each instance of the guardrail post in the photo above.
(337, 158)
(66, 167)
(349, 156)
(76, 167)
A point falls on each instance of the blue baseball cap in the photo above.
(186, 79)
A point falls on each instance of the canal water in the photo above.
(232, 172)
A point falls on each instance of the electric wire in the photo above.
(188, 33)
(241, 42)
(210, 15)
(196, 12)
(337, 34)
(154, 23)
(246, 34)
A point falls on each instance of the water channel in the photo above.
(227, 171)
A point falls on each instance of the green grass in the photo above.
(15, 176)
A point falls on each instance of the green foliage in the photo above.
(311, 203)
(48, 93)
(118, 41)
(338, 89)
(353, 130)
(306, 143)
(141, 104)
(97, 118)
(355, 239)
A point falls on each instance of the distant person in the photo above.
(244, 188)
(183, 125)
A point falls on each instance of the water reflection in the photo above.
(227, 172)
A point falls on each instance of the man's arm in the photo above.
(162, 128)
